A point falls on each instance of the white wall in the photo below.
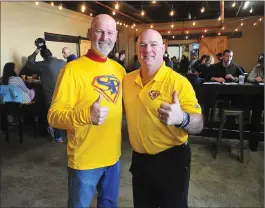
(23, 22)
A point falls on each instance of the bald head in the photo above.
(66, 52)
(150, 50)
(103, 34)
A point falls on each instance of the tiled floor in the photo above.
(34, 175)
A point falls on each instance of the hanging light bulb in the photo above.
(171, 12)
(153, 2)
(234, 4)
(246, 4)
(236, 29)
(223, 28)
(241, 24)
(117, 6)
(205, 30)
(219, 18)
(117, 22)
(151, 26)
(202, 36)
(187, 32)
(173, 36)
(37, 3)
(135, 29)
(113, 13)
(260, 19)
(91, 14)
(133, 25)
(202, 9)
(219, 33)
(194, 23)
(83, 8)
(142, 12)
(251, 10)
(172, 25)
(168, 31)
(60, 7)
(52, 4)
(187, 37)
(255, 24)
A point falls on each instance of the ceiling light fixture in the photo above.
(83, 8)
(153, 2)
(246, 4)
(117, 6)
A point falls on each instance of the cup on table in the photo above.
(29, 79)
(241, 79)
(23, 77)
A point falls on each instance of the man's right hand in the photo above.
(98, 114)
(218, 79)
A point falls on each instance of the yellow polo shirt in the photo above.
(78, 86)
(147, 134)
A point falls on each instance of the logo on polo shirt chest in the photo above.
(109, 85)
(154, 94)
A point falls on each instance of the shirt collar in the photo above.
(91, 55)
(159, 76)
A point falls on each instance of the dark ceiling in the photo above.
(130, 11)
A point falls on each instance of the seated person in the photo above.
(226, 70)
(10, 78)
(257, 73)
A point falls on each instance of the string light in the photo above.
(251, 10)
(117, 22)
(153, 2)
(151, 26)
(135, 29)
(173, 36)
(83, 8)
(194, 23)
(37, 3)
(236, 29)
(52, 4)
(219, 33)
(133, 25)
(91, 14)
(255, 24)
(172, 26)
(113, 13)
(260, 19)
(117, 6)
(187, 37)
(187, 32)
(142, 12)
(171, 12)
(205, 30)
(202, 36)
(223, 28)
(219, 18)
(60, 7)
(168, 31)
(202, 9)
(234, 4)
(241, 24)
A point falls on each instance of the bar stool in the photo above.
(235, 113)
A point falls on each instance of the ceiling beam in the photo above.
(190, 29)
(222, 12)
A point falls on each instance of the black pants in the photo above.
(161, 180)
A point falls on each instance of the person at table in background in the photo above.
(219, 56)
(88, 103)
(68, 55)
(161, 110)
(48, 70)
(257, 73)
(226, 70)
(10, 78)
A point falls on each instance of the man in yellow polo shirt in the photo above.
(88, 103)
(161, 110)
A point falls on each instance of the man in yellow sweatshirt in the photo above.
(88, 103)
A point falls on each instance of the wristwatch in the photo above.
(185, 122)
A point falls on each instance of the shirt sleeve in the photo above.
(187, 98)
(22, 85)
(62, 113)
(252, 76)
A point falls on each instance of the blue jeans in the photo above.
(82, 185)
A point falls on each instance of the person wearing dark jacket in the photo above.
(226, 70)
(48, 70)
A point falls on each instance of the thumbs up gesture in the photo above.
(171, 114)
(98, 114)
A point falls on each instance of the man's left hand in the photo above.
(229, 76)
(171, 114)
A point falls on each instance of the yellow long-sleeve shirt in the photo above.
(78, 87)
